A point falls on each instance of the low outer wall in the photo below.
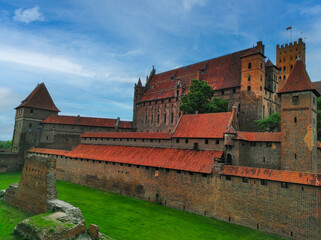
(290, 212)
(8, 162)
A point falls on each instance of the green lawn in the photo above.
(128, 218)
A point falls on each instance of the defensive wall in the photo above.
(8, 162)
(274, 201)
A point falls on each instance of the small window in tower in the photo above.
(284, 77)
(295, 100)
(234, 90)
(177, 93)
(284, 69)
(186, 140)
(177, 140)
(249, 77)
(172, 117)
(249, 88)
(30, 125)
(31, 110)
(295, 120)
(206, 141)
(295, 156)
(222, 92)
(261, 78)
(291, 66)
(165, 118)
(284, 60)
(263, 182)
(261, 88)
(217, 141)
(261, 65)
(291, 57)
(250, 65)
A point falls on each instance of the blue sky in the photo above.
(90, 53)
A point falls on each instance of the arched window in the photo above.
(249, 77)
(165, 117)
(284, 77)
(229, 159)
(284, 69)
(158, 117)
(249, 66)
(295, 120)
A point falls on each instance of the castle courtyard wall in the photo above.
(286, 209)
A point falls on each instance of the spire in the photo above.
(298, 80)
(39, 98)
(139, 84)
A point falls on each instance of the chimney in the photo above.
(117, 123)
(260, 47)
(198, 73)
(78, 120)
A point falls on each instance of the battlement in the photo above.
(295, 43)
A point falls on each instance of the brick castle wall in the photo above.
(249, 202)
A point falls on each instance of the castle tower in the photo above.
(286, 56)
(253, 71)
(299, 122)
(271, 79)
(252, 87)
(139, 91)
(29, 115)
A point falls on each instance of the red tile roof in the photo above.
(317, 85)
(39, 98)
(49, 151)
(273, 175)
(259, 136)
(186, 160)
(127, 135)
(86, 121)
(220, 73)
(209, 125)
(298, 80)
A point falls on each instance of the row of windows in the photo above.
(249, 66)
(263, 182)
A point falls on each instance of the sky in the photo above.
(90, 53)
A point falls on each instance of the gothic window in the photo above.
(249, 88)
(158, 117)
(295, 120)
(249, 77)
(172, 117)
(165, 117)
(284, 69)
(261, 65)
(284, 77)
(249, 65)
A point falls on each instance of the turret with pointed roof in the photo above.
(29, 115)
(299, 122)
(39, 98)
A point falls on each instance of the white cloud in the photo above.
(41, 60)
(189, 4)
(28, 15)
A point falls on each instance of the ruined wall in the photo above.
(8, 162)
(260, 154)
(248, 202)
(37, 185)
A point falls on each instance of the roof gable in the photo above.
(209, 125)
(39, 98)
(298, 80)
(220, 73)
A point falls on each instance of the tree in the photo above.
(199, 98)
(5, 144)
(270, 123)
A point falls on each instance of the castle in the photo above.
(213, 164)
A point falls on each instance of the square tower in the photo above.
(299, 122)
(286, 56)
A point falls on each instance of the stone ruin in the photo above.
(36, 193)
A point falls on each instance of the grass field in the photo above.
(128, 218)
